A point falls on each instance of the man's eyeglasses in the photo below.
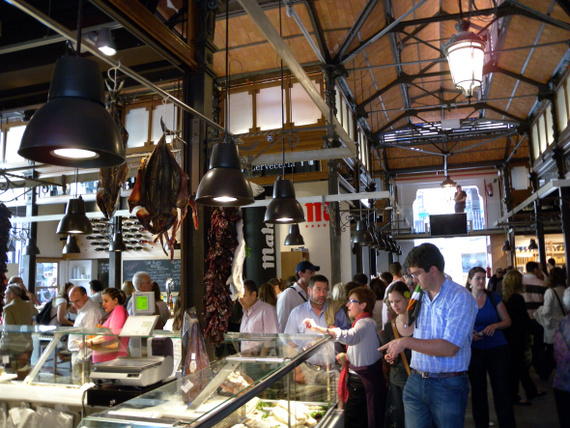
(416, 274)
(354, 301)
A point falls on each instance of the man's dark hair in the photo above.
(360, 278)
(395, 268)
(349, 286)
(387, 277)
(552, 262)
(425, 256)
(251, 286)
(379, 287)
(531, 267)
(96, 285)
(317, 278)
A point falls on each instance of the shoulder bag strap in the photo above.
(559, 302)
(402, 354)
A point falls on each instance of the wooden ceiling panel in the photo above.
(375, 23)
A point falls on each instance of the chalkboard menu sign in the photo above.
(159, 270)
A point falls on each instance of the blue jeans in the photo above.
(435, 402)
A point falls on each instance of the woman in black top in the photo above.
(518, 337)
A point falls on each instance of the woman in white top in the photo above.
(361, 384)
(61, 307)
(552, 311)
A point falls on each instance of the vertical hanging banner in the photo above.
(261, 262)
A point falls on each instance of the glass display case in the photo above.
(37, 367)
(275, 380)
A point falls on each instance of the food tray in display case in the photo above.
(276, 381)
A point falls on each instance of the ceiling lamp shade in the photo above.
(73, 128)
(465, 52)
(74, 222)
(117, 244)
(11, 246)
(506, 246)
(224, 185)
(448, 183)
(31, 248)
(294, 237)
(284, 208)
(71, 246)
(105, 42)
(361, 235)
(532, 245)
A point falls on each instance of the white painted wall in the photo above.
(316, 236)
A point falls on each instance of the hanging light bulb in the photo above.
(465, 53)
(71, 246)
(294, 237)
(74, 222)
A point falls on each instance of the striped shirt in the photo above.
(533, 294)
(449, 316)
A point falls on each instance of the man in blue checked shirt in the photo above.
(437, 389)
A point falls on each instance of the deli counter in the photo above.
(274, 381)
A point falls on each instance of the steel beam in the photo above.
(266, 27)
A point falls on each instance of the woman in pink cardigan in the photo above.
(106, 348)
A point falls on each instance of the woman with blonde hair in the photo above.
(128, 288)
(518, 338)
(61, 306)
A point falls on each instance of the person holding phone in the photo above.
(489, 354)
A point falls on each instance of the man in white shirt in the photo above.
(258, 317)
(296, 294)
(320, 369)
(89, 314)
(96, 287)
(142, 282)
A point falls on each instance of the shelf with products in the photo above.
(257, 383)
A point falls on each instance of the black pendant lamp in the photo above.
(506, 246)
(224, 185)
(284, 207)
(117, 244)
(74, 222)
(361, 235)
(71, 246)
(532, 245)
(31, 248)
(73, 128)
(294, 237)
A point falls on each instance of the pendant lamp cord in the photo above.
(79, 27)
(227, 70)
(282, 100)
(76, 182)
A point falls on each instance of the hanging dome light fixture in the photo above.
(465, 53)
(294, 237)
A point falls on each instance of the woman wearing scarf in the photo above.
(361, 384)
